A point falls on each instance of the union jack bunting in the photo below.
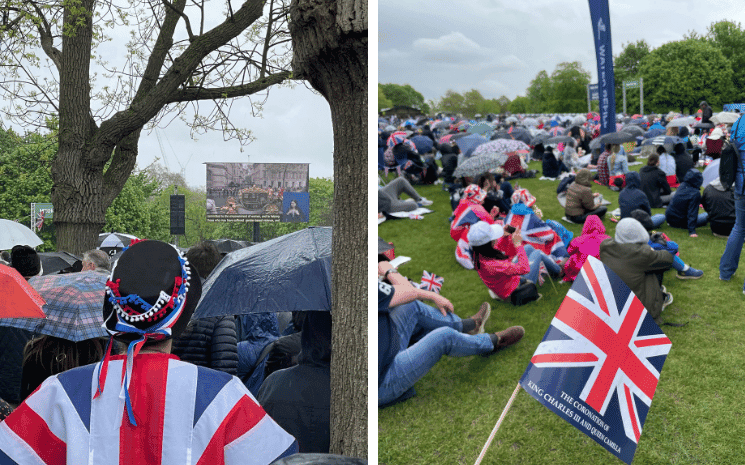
(600, 361)
(431, 282)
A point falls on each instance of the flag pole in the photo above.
(499, 423)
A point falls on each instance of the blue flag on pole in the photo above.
(600, 17)
(600, 361)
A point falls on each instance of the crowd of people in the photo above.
(167, 386)
(499, 231)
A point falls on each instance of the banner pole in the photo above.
(499, 423)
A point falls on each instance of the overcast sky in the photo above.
(498, 46)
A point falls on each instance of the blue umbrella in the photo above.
(423, 143)
(289, 273)
(468, 143)
(654, 133)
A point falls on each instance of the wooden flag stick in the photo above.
(496, 427)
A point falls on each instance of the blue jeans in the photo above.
(658, 219)
(535, 258)
(731, 256)
(444, 337)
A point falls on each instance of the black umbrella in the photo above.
(704, 125)
(54, 262)
(620, 137)
(559, 139)
(289, 273)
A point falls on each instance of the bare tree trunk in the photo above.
(329, 39)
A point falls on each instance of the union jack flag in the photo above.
(599, 363)
(431, 282)
(40, 220)
(538, 234)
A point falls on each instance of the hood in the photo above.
(630, 231)
(679, 149)
(683, 132)
(315, 339)
(521, 209)
(694, 178)
(584, 177)
(593, 226)
(633, 180)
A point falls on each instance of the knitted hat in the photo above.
(150, 295)
(630, 231)
(25, 260)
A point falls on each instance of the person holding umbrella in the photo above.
(172, 411)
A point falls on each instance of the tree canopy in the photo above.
(403, 95)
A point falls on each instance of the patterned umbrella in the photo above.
(503, 146)
(667, 141)
(477, 165)
(470, 142)
(113, 242)
(556, 131)
(446, 139)
(396, 138)
(74, 306)
(530, 122)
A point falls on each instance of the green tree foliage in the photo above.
(539, 93)
(568, 88)
(504, 104)
(404, 95)
(451, 102)
(519, 104)
(729, 38)
(625, 67)
(25, 178)
(473, 103)
(134, 211)
(383, 101)
(678, 75)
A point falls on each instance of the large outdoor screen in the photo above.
(257, 192)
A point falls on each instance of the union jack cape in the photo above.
(536, 232)
(464, 216)
(600, 361)
(186, 415)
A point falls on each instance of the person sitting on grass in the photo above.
(551, 167)
(719, 203)
(401, 312)
(654, 183)
(497, 193)
(469, 211)
(629, 255)
(504, 279)
(580, 200)
(389, 197)
(584, 245)
(667, 162)
(683, 209)
(632, 200)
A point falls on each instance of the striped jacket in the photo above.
(185, 414)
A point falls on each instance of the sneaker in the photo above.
(690, 273)
(480, 318)
(424, 202)
(509, 336)
(668, 300)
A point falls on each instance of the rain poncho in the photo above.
(593, 233)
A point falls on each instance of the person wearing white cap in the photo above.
(492, 250)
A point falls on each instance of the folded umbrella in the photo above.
(289, 273)
(74, 306)
(12, 234)
(18, 298)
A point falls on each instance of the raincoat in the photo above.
(588, 243)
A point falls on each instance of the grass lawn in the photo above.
(696, 416)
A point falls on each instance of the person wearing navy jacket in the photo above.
(683, 209)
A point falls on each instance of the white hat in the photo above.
(716, 134)
(482, 233)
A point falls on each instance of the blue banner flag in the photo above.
(599, 363)
(600, 17)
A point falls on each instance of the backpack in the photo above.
(731, 157)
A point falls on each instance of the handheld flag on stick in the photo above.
(600, 361)
(431, 282)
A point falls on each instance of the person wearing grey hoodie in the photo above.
(719, 203)
(629, 255)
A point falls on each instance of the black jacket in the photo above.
(12, 342)
(299, 398)
(719, 204)
(654, 184)
(211, 343)
(683, 209)
(683, 161)
(631, 197)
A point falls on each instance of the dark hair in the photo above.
(204, 256)
(661, 149)
(25, 260)
(488, 251)
(653, 159)
(483, 177)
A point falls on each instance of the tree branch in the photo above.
(187, 23)
(191, 94)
